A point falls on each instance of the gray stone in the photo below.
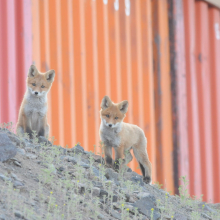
(77, 149)
(103, 192)
(75, 160)
(2, 217)
(127, 197)
(52, 169)
(84, 165)
(31, 156)
(109, 183)
(138, 180)
(87, 152)
(61, 169)
(44, 140)
(102, 217)
(179, 216)
(145, 205)
(81, 188)
(17, 163)
(114, 198)
(17, 183)
(18, 214)
(97, 158)
(215, 206)
(207, 207)
(115, 214)
(131, 199)
(97, 184)
(14, 176)
(95, 191)
(4, 178)
(96, 173)
(206, 216)
(21, 151)
(7, 148)
(142, 194)
(111, 174)
(16, 140)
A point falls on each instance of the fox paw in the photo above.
(147, 179)
(108, 161)
(109, 165)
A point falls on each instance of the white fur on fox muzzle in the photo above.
(36, 93)
(118, 124)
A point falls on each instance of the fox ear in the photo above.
(50, 75)
(106, 102)
(32, 71)
(123, 106)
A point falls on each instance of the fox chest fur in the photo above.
(110, 136)
(35, 109)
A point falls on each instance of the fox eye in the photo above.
(42, 86)
(33, 84)
(107, 116)
(116, 118)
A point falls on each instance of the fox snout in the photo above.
(110, 124)
(35, 92)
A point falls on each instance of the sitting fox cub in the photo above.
(33, 111)
(122, 137)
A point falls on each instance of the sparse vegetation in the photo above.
(44, 181)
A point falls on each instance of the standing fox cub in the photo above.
(33, 111)
(122, 137)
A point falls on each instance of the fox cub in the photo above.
(122, 137)
(33, 111)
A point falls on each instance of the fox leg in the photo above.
(128, 157)
(27, 127)
(108, 156)
(47, 131)
(144, 163)
(20, 125)
(19, 130)
(41, 132)
(119, 155)
(43, 127)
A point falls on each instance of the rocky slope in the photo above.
(39, 180)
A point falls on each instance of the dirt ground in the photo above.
(44, 181)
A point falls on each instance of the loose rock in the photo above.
(7, 148)
(77, 149)
(4, 178)
(2, 217)
(18, 214)
(17, 183)
(145, 205)
(96, 191)
(44, 140)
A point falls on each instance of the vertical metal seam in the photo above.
(128, 64)
(72, 74)
(95, 70)
(118, 55)
(106, 40)
(83, 68)
(12, 77)
(139, 66)
(59, 72)
(47, 61)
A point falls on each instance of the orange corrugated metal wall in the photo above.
(160, 55)
(202, 43)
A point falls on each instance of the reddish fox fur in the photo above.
(122, 137)
(33, 110)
